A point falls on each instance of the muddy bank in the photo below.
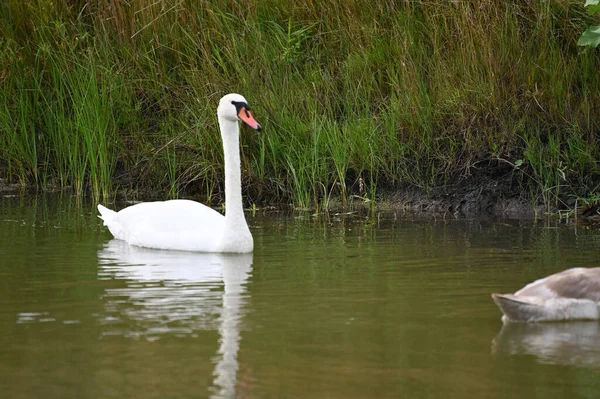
(495, 189)
(469, 200)
(5, 187)
(472, 196)
(498, 191)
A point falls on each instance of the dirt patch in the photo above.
(493, 190)
(4, 186)
(469, 202)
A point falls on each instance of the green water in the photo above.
(336, 306)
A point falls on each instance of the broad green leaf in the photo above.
(591, 2)
(594, 9)
(591, 37)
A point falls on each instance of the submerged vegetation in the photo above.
(355, 96)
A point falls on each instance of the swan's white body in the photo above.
(572, 294)
(187, 225)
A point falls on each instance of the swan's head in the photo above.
(235, 108)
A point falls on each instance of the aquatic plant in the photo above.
(355, 96)
(591, 36)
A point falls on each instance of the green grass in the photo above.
(120, 96)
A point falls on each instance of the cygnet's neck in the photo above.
(230, 133)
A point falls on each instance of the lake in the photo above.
(360, 305)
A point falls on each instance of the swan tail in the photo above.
(106, 214)
(110, 220)
(517, 308)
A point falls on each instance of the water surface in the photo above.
(370, 305)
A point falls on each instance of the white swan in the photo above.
(187, 225)
(572, 294)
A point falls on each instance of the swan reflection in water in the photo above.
(568, 343)
(177, 293)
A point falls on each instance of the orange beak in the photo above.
(248, 119)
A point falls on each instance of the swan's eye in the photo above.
(239, 105)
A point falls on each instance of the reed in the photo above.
(107, 97)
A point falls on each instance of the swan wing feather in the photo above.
(576, 283)
(175, 224)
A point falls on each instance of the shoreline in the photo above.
(469, 199)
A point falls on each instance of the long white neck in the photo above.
(234, 210)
